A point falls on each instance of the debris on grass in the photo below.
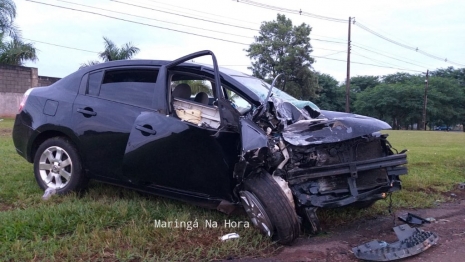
(413, 219)
(411, 241)
(229, 236)
(49, 192)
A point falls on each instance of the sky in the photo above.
(166, 30)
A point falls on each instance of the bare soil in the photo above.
(5, 131)
(337, 243)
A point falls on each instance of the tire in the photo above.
(57, 165)
(269, 209)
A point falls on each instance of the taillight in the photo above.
(24, 99)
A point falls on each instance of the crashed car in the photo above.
(207, 135)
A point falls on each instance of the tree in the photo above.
(445, 101)
(284, 48)
(16, 52)
(112, 52)
(402, 78)
(399, 104)
(450, 72)
(331, 96)
(7, 15)
(360, 83)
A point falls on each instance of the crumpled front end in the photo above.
(340, 173)
(330, 159)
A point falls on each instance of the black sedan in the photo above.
(211, 136)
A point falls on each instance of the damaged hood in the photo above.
(331, 127)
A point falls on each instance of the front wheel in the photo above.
(57, 165)
(269, 209)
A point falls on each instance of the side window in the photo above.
(192, 100)
(94, 83)
(239, 103)
(134, 86)
(196, 90)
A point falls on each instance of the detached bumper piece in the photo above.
(412, 241)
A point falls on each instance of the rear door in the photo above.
(108, 103)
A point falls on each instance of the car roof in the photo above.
(148, 62)
(225, 72)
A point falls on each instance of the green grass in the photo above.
(113, 224)
(436, 165)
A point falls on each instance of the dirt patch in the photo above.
(4, 207)
(5, 131)
(337, 243)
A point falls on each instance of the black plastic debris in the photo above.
(412, 241)
(413, 219)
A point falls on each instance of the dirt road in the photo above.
(338, 243)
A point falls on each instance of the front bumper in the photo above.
(342, 184)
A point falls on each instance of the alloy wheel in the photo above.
(55, 167)
(256, 212)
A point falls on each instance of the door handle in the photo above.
(147, 130)
(86, 111)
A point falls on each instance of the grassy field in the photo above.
(113, 224)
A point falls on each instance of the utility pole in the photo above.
(348, 71)
(425, 102)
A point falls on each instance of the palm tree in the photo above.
(16, 52)
(7, 15)
(112, 52)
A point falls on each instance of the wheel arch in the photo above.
(45, 133)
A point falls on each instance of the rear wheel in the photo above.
(58, 166)
(269, 209)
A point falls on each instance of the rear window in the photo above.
(131, 86)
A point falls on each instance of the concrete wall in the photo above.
(17, 79)
(14, 81)
(9, 104)
(47, 80)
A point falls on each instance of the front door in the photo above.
(189, 150)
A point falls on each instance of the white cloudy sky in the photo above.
(434, 26)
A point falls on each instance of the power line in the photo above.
(199, 11)
(211, 30)
(375, 60)
(404, 69)
(180, 31)
(340, 60)
(329, 41)
(144, 17)
(327, 49)
(286, 10)
(186, 16)
(300, 12)
(140, 23)
(330, 37)
(404, 45)
(60, 45)
(334, 53)
(392, 57)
